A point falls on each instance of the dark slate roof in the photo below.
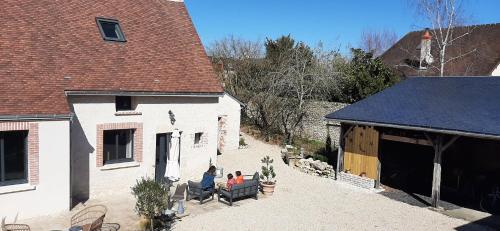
(445, 104)
(404, 56)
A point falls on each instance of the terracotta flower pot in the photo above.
(268, 189)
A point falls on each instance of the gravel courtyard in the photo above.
(304, 202)
(300, 202)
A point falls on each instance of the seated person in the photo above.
(230, 182)
(239, 178)
(207, 183)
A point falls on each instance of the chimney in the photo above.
(425, 50)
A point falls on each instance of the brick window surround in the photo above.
(33, 146)
(117, 126)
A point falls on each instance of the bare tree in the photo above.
(445, 16)
(233, 59)
(277, 86)
(377, 41)
(235, 48)
(300, 78)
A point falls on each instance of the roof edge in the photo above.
(416, 128)
(36, 117)
(145, 93)
(235, 99)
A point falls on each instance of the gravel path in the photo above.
(304, 202)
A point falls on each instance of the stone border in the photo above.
(355, 180)
(138, 139)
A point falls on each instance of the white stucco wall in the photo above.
(230, 110)
(496, 72)
(192, 114)
(52, 194)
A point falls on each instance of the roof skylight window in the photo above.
(110, 30)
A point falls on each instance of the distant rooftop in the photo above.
(404, 56)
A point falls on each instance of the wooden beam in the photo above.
(450, 142)
(346, 133)
(405, 139)
(429, 138)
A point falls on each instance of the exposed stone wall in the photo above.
(359, 181)
(315, 125)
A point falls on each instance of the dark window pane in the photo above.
(109, 146)
(109, 29)
(123, 103)
(197, 137)
(14, 155)
(118, 145)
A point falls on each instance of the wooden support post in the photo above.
(439, 148)
(340, 154)
(436, 176)
(379, 163)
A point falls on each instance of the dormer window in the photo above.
(110, 30)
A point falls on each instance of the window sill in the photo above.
(16, 188)
(120, 166)
(199, 145)
(127, 113)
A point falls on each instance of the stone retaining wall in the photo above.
(314, 124)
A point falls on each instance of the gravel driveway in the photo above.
(304, 202)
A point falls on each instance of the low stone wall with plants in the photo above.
(359, 181)
(314, 126)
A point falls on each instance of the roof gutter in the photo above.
(423, 129)
(35, 117)
(143, 93)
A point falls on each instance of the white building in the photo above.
(88, 104)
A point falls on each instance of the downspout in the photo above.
(70, 163)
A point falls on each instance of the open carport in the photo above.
(435, 136)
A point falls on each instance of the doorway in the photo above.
(162, 155)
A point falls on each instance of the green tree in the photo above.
(285, 52)
(365, 75)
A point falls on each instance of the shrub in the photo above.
(242, 141)
(152, 198)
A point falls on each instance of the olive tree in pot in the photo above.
(268, 183)
(152, 199)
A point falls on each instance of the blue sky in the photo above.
(338, 24)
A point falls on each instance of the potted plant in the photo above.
(152, 199)
(268, 183)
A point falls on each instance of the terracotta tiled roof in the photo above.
(50, 46)
(404, 56)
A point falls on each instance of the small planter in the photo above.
(268, 183)
(268, 189)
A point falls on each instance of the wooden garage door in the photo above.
(361, 151)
